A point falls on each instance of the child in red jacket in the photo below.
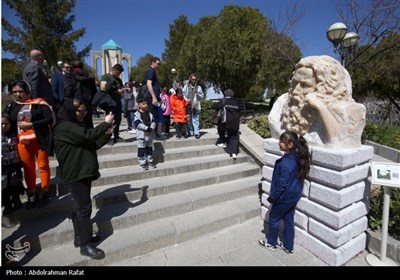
(178, 105)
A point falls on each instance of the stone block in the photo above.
(306, 188)
(271, 145)
(341, 159)
(270, 159)
(339, 179)
(338, 199)
(266, 187)
(331, 256)
(267, 172)
(264, 213)
(333, 219)
(264, 200)
(336, 238)
(301, 220)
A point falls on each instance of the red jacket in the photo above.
(178, 105)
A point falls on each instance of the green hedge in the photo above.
(388, 135)
(376, 207)
(259, 125)
(206, 114)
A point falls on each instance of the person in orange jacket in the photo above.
(178, 105)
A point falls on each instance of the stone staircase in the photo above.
(196, 189)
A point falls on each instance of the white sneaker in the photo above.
(132, 131)
(234, 156)
(221, 145)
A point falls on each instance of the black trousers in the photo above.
(117, 111)
(232, 139)
(88, 119)
(152, 109)
(180, 129)
(80, 192)
(167, 123)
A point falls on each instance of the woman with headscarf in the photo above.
(32, 120)
(75, 148)
(229, 123)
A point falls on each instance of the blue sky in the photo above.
(141, 27)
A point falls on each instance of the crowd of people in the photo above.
(57, 116)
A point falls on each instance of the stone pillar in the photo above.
(331, 215)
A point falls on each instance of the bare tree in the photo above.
(371, 20)
(374, 67)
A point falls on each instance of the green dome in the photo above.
(111, 45)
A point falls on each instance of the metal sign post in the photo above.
(386, 174)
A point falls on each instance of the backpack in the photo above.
(85, 89)
(142, 92)
(220, 115)
(80, 86)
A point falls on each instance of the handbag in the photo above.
(195, 103)
(220, 115)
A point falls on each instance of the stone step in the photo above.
(108, 154)
(123, 174)
(129, 158)
(132, 190)
(47, 232)
(196, 189)
(140, 239)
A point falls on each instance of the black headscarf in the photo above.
(67, 112)
(229, 93)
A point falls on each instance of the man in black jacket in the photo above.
(81, 85)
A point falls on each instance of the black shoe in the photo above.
(43, 199)
(118, 140)
(197, 136)
(32, 200)
(17, 203)
(8, 221)
(92, 252)
(7, 209)
(93, 239)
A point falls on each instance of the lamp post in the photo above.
(344, 42)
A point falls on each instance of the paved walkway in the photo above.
(234, 246)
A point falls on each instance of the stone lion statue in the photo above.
(319, 105)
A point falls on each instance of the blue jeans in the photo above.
(193, 127)
(130, 117)
(278, 212)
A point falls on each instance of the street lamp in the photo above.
(344, 42)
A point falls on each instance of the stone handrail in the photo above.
(389, 153)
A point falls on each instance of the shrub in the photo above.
(259, 125)
(387, 135)
(206, 114)
(376, 207)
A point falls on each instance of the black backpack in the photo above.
(86, 89)
(82, 87)
(142, 92)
